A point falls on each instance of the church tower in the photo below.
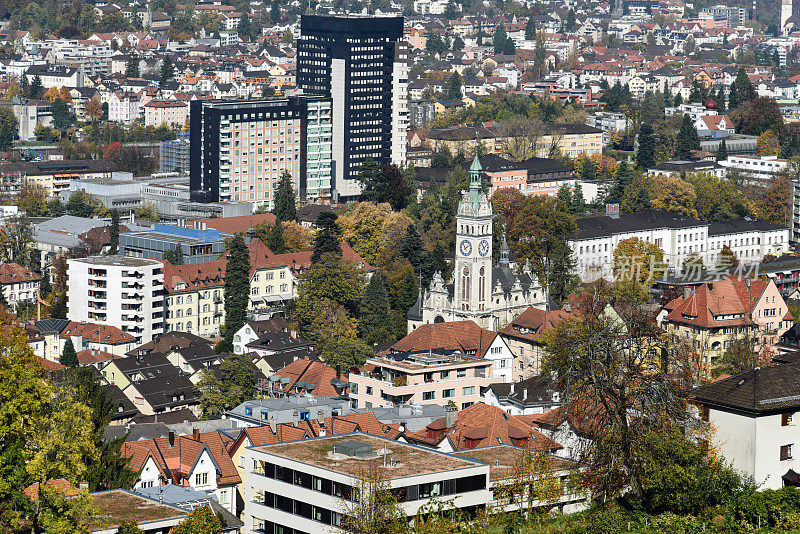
(785, 14)
(473, 265)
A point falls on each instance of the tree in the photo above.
(347, 352)
(458, 44)
(759, 115)
(539, 234)
(37, 89)
(500, 38)
(638, 260)
(741, 356)
(509, 48)
(17, 245)
(114, 232)
(44, 285)
(69, 357)
(717, 199)
(275, 12)
(617, 394)
(244, 25)
(673, 194)
(147, 211)
(237, 288)
(373, 188)
(374, 325)
(32, 199)
(112, 470)
(94, 109)
(174, 255)
(578, 205)
(201, 521)
(227, 387)
(328, 237)
(768, 144)
(687, 139)
(83, 204)
(8, 127)
(450, 10)
(285, 207)
(168, 70)
(742, 89)
(622, 179)
(373, 507)
(530, 29)
(132, 67)
(727, 259)
(62, 117)
(452, 90)
(722, 152)
(533, 484)
(411, 247)
(521, 137)
(129, 527)
(564, 194)
(646, 153)
(774, 202)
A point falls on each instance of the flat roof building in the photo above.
(197, 246)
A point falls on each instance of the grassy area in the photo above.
(23, 144)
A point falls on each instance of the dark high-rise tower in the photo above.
(360, 63)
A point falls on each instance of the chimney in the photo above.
(321, 417)
(524, 395)
(451, 414)
(295, 418)
(612, 210)
(338, 371)
(686, 292)
(195, 433)
(171, 438)
(273, 425)
(512, 388)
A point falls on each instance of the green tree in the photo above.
(374, 324)
(442, 158)
(578, 205)
(244, 25)
(329, 236)
(112, 470)
(201, 521)
(742, 88)
(530, 29)
(411, 247)
(114, 232)
(275, 12)
(45, 287)
(458, 44)
(225, 388)
(37, 89)
(174, 255)
(132, 67)
(450, 10)
(285, 207)
(62, 117)
(687, 139)
(564, 194)
(452, 90)
(8, 127)
(509, 48)
(374, 508)
(346, 352)
(722, 152)
(167, 71)
(373, 186)
(646, 153)
(275, 239)
(17, 245)
(622, 179)
(69, 357)
(237, 288)
(129, 527)
(500, 38)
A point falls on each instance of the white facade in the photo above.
(760, 169)
(400, 118)
(316, 493)
(127, 293)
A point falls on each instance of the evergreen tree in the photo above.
(167, 71)
(564, 194)
(678, 99)
(578, 205)
(646, 153)
(720, 100)
(132, 68)
(114, 232)
(275, 12)
(69, 357)
(112, 471)
(510, 48)
(328, 237)
(722, 151)
(744, 89)
(375, 325)
(622, 179)
(687, 139)
(530, 30)
(174, 255)
(37, 89)
(500, 38)
(411, 246)
(285, 208)
(45, 287)
(458, 44)
(450, 11)
(237, 288)
(588, 170)
(452, 89)
(275, 240)
(59, 308)
(244, 25)
(569, 25)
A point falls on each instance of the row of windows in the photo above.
(299, 508)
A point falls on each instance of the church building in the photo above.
(491, 295)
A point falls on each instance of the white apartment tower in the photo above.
(127, 293)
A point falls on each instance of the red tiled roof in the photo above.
(706, 306)
(533, 322)
(93, 356)
(464, 336)
(13, 273)
(62, 484)
(97, 333)
(314, 372)
(240, 224)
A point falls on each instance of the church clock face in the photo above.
(483, 247)
(466, 248)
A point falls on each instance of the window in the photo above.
(248, 410)
(447, 393)
(461, 373)
(787, 419)
(201, 479)
(786, 452)
(468, 390)
(428, 395)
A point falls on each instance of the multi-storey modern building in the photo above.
(197, 246)
(240, 149)
(124, 292)
(425, 377)
(174, 155)
(360, 63)
(308, 486)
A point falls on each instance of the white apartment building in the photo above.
(307, 486)
(677, 235)
(759, 169)
(127, 293)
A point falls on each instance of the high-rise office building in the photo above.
(361, 64)
(240, 149)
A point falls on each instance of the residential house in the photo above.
(18, 284)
